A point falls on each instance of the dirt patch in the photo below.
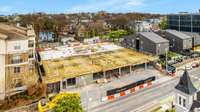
(33, 94)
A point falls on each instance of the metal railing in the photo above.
(16, 61)
(31, 45)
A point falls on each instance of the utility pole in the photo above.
(166, 62)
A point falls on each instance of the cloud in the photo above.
(110, 5)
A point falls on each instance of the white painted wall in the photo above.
(11, 46)
(2, 47)
(2, 69)
(2, 76)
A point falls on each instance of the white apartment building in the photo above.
(143, 26)
(17, 60)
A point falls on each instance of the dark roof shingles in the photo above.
(185, 84)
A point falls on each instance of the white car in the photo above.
(188, 67)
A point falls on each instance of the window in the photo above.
(16, 69)
(18, 83)
(64, 84)
(179, 100)
(184, 102)
(31, 43)
(17, 47)
(30, 67)
(71, 81)
(30, 54)
(16, 58)
(97, 76)
(53, 87)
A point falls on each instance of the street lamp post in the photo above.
(87, 101)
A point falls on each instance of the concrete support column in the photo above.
(145, 66)
(61, 85)
(120, 72)
(104, 74)
(130, 69)
(78, 82)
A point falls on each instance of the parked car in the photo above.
(195, 65)
(188, 67)
(171, 69)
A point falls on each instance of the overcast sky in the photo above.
(70, 6)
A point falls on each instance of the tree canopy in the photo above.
(117, 34)
(163, 25)
(69, 103)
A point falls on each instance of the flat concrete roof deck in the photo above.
(197, 48)
(69, 67)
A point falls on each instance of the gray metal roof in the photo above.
(153, 37)
(178, 34)
(192, 34)
(185, 84)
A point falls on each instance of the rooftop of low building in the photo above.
(10, 32)
(178, 34)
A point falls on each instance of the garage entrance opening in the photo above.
(137, 44)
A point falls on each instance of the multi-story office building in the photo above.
(184, 22)
(17, 60)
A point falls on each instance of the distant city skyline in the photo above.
(68, 6)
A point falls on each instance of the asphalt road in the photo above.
(139, 101)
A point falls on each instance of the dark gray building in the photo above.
(195, 38)
(147, 42)
(152, 43)
(178, 41)
(129, 41)
(184, 22)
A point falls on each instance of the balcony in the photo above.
(31, 45)
(16, 61)
(30, 56)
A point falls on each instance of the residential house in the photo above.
(143, 26)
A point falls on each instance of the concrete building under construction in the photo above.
(65, 67)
